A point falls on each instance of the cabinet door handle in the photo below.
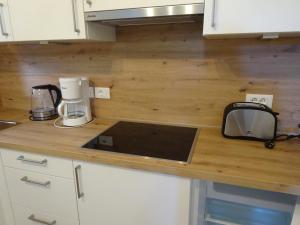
(213, 13)
(89, 2)
(27, 180)
(32, 218)
(40, 163)
(79, 193)
(75, 16)
(2, 21)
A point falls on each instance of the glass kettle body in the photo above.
(44, 102)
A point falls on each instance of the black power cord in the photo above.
(270, 144)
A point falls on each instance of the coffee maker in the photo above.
(75, 108)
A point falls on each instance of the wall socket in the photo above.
(92, 92)
(102, 92)
(262, 99)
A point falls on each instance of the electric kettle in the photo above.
(44, 102)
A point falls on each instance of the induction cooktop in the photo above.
(148, 140)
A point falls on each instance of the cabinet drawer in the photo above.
(54, 195)
(28, 216)
(38, 163)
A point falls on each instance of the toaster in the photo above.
(250, 121)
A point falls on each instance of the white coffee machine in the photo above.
(75, 108)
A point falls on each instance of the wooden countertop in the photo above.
(237, 162)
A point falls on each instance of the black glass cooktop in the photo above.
(159, 141)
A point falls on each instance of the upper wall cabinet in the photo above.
(6, 31)
(251, 17)
(35, 20)
(98, 5)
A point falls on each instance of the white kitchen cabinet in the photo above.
(99, 5)
(6, 215)
(114, 196)
(251, 17)
(42, 192)
(5, 26)
(40, 188)
(38, 163)
(29, 216)
(35, 20)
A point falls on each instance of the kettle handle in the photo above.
(58, 94)
(60, 107)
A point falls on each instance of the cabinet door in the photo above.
(98, 5)
(114, 196)
(6, 216)
(35, 20)
(5, 27)
(233, 17)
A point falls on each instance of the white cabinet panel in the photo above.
(28, 216)
(117, 196)
(98, 5)
(233, 17)
(5, 26)
(42, 192)
(6, 215)
(47, 20)
(38, 163)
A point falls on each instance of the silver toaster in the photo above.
(251, 121)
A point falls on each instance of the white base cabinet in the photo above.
(54, 195)
(41, 189)
(115, 196)
(251, 17)
(29, 216)
(6, 214)
(33, 191)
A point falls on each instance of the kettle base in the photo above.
(52, 117)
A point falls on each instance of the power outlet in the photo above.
(262, 99)
(102, 92)
(92, 92)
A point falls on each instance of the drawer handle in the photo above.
(41, 163)
(79, 193)
(32, 218)
(27, 180)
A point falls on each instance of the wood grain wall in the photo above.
(164, 73)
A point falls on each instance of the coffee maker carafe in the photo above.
(75, 109)
(44, 102)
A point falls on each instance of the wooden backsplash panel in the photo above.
(164, 73)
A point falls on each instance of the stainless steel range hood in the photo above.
(151, 15)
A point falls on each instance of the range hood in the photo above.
(149, 15)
